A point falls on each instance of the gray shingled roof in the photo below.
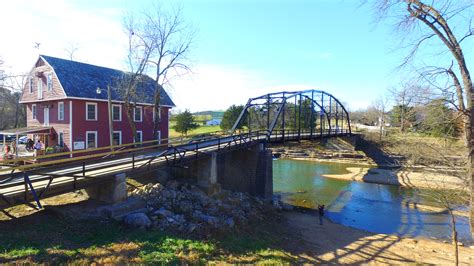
(81, 80)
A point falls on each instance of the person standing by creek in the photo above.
(321, 213)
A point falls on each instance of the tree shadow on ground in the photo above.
(47, 237)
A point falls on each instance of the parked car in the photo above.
(8, 138)
(23, 140)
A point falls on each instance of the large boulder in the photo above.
(137, 220)
(163, 213)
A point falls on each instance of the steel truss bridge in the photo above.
(274, 117)
(310, 112)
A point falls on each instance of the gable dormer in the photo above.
(42, 84)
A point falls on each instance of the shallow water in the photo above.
(372, 207)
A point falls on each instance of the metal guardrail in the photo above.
(75, 173)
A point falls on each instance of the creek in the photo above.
(372, 207)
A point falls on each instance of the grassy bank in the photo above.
(198, 131)
(46, 237)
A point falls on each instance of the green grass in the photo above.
(49, 238)
(198, 131)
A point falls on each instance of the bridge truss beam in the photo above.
(312, 112)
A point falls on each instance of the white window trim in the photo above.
(159, 114)
(120, 112)
(159, 136)
(35, 113)
(49, 81)
(120, 134)
(59, 138)
(96, 111)
(40, 89)
(87, 139)
(141, 136)
(141, 113)
(71, 147)
(59, 111)
(31, 85)
(46, 111)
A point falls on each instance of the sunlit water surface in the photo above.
(372, 207)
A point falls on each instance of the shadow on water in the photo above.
(368, 206)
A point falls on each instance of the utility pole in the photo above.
(111, 129)
(109, 103)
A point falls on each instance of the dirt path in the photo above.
(334, 243)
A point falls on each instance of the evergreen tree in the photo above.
(230, 116)
(185, 123)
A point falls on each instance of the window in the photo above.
(158, 136)
(60, 111)
(91, 111)
(33, 111)
(116, 113)
(91, 139)
(46, 116)
(31, 85)
(139, 136)
(117, 138)
(49, 81)
(40, 89)
(137, 114)
(61, 139)
(159, 114)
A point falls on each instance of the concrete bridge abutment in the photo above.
(114, 191)
(246, 170)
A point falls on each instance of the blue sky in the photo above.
(242, 48)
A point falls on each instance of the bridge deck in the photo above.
(35, 184)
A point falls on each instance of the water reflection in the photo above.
(372, 207)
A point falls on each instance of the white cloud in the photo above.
(56, 24)
(98, 35)
(213, 87)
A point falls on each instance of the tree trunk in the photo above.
(470, 164)
(131, 123)
(156, 105)
(454, 235)
(402, 120)
(17, 112)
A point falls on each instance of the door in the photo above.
(46, 116)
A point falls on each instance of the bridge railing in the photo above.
(95, 168)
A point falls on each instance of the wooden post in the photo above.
(111, 129)
(16, 145)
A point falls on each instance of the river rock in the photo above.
(185, 207)
(137, 220)
(163, 213)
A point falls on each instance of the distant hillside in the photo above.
(213, 114)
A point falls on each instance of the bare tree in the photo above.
(433, 20)
(139, 52)
(449, 191)
(12, 113)
(405, 97)
(71, 49)
(165, 40)
(379, 107)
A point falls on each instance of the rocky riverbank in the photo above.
(184, 207)
(330, 150)
(406, 178)
(362, 168)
